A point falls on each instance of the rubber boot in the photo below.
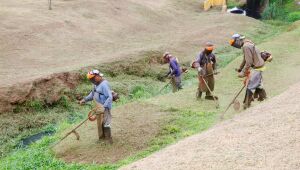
(198, 94)
(100, 126)
(262, 95)
(179, 86)
(107, 133)
(102, 137)
(248, 99)
(210, 97)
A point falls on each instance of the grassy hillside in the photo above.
(181, 114)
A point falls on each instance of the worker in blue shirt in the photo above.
(102, 94)
(174, 71)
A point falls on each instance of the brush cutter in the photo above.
(165, 86)
(215, 100)
(73, 131)
(234, 101)
(183, 70)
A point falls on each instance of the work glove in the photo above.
(82, 102)
(238, 70)
(199, 69)
(170, 76)
(241, 74)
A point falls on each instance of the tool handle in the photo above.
(72, 131)
(215, 100)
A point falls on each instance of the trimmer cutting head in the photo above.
(236, 105)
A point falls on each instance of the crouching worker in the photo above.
(102, 95)
(252, 68)
(205, 64)
(174, 71)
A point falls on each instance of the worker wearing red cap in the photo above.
(205, 64)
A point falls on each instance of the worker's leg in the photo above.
(211, 84)
(174, 86)
(100, 125)
(199, 93)
(255, 82)
(107, 125)
(260, 94)
(178, 82)
(248, 98)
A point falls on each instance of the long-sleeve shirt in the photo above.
(102, 94)
(203, 59)
(174, 67)
(252, 57)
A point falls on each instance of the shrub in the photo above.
(294, 16)
(272, 11)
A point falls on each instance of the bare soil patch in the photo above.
(36, 42)
(263, 137)
(133, 127)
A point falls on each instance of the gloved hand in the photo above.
(241, 75)
(170, 76)
(199, 69)
(82, 102)
(238, 70)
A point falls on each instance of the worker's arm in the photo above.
(248, 60)
(196, 63)
(107, 93)
(168, 73)
(174, 67)
(90, 96)
(242, 65)
(87, 98)
(198, 59)
(214, 61)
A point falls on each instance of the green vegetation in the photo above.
(38, 155)
(285, 10)
(183, 122)
(233, 3)
(294, 16)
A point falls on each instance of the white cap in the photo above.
(238, 36)
(96, 72)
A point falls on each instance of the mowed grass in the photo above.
(188, 116)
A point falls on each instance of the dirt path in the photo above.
(264, 137)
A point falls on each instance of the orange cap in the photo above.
(93, 73)
(209, 48)
(231, 41)
(90, 76)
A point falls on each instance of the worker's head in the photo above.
(209, 47)
(95, 76)
(166, 57)
(237, 41)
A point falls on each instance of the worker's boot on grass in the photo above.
(198, 95)
(210, 97)
(260, 94)
(107, 134)
(102, 137)
(248, 99)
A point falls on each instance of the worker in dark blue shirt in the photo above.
(174, 71)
